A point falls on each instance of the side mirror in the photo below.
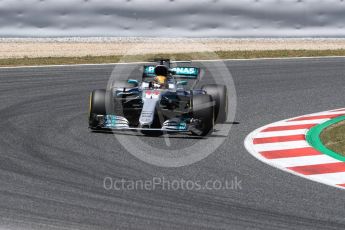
(182, 83)
(133, 81)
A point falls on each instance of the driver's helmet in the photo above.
(161, 78)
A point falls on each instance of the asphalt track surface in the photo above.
(52, 168)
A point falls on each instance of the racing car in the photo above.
(160, 102)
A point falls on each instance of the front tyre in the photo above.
(220, 96)
(203, 111)
(97, 107)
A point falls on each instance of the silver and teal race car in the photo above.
(154, 108)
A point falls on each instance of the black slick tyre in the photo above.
(203, 111)
(220, 97)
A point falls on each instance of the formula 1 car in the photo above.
(159, 103)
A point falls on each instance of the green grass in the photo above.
(26, 61)
(333, 137)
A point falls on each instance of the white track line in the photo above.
(300, 161)
(280, 146)
(333, 178)
(324, 113)
(130, 63)
(281, 133)
(304, 122)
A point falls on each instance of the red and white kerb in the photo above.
(283, 145)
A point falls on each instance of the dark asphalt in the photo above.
(52, 168)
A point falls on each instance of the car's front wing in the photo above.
(112, 122)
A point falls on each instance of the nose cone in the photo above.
(148, 111)
(146, 118)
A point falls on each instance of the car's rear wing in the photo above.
(179, 71)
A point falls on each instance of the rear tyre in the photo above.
(203, 110)
(97, 106)
(220, 96)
